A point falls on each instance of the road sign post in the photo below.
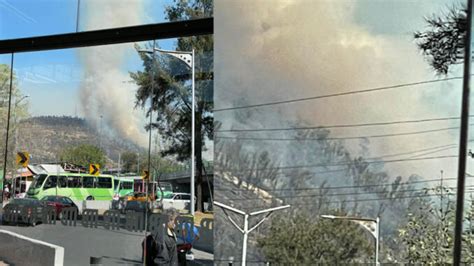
(146, 175)
(94, 169)
(23, 158)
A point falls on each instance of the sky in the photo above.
(308, 48)
(88, 82)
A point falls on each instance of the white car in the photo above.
(179, 201)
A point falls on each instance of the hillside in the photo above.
(45, 136)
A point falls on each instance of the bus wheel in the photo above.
(90, 198)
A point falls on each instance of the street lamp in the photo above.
(369, 224)
(188, 59)
(245, 231)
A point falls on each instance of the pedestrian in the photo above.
(167, 252)
(7, 192)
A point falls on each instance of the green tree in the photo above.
(83, 155)
(129, 161)
(171, 95)
(300, 240)
(19, 111)
(427, 237)
(159, 165)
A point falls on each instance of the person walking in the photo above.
(166, 246)
(7, 193)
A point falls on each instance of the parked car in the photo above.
(137, 196)
(136, 206)
(27, 211)
(59, 203)
(179, 201)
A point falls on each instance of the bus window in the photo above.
(128, 185)
(38, 182)
(62, 182)
(88, 182)
(104, 182)
(50, 182)
(73, 182)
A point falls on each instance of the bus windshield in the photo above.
(38, 181)
(166, 187)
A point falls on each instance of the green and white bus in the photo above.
(75, 186)
(122, 186)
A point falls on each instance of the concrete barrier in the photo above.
(101, 205)
(19, 250)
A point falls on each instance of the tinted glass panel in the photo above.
(50, 182)
(88, 181)
(104, 182)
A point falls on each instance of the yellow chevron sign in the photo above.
(94, 169)
(23, 158)
(145, 175)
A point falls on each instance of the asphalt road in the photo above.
(120, 247)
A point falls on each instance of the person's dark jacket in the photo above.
(150, 250)
(167, 253)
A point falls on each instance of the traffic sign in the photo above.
(23, 158)
(145, 175)
(94, 169)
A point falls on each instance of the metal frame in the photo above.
(245, 231)
(157, 31)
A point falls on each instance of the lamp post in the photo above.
(369, 224)
(245, 231)
(188, 59)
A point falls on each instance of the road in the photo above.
(81, 243)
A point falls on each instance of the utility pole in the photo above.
(463, 139)
(245, 231)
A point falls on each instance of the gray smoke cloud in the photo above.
(104, 90)
(278, 50)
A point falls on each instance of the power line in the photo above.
(293, 204)
(341, 164)
(276, 197)
(344, 125)
(342, 138)
(344, 187)
(336, 94)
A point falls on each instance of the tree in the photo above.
(299, 240)
(171, 100)
(19, 111)
(83, 155)
(443, 42)
(129, 162)
(159, 165)
(427, 237)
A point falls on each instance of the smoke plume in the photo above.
(105, 90)
(278, 50)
